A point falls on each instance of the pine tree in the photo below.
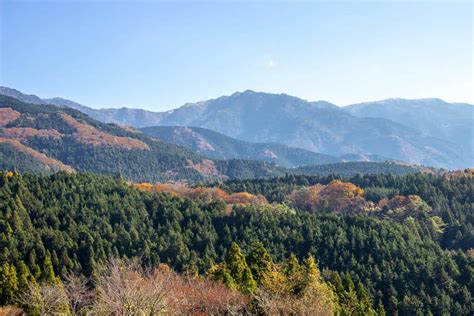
(364, 307)
(312, 271)
(259, 261)
(380, 309)
(48, 274)
(8, 284)
(291, 265)
(24, 276)
(238, 269)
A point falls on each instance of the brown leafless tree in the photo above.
(124, 288)
(78, 293)
(45, 298)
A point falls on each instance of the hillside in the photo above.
(122, 116)
(219, 146)
(74, 223)
(429, 132)
(262, 117)
(432, 117)
(46, 138)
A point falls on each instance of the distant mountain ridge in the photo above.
(432, 117)
(121, 116)
(262, 117)
(218, 146)
(437, 139)
(47, 138)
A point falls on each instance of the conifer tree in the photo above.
(259, 261)
(48, 274)
(8, 284)
(364, 307)
(238, 269)
(380, 309)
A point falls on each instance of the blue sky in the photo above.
(160, 55)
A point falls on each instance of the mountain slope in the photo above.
(438, 137)
(432, 117)
(262, 117)
(121, 116)
(219, 146)
(46, 135)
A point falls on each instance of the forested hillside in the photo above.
(47, 138)
(449, 196)
(51, 225)
(424, 131)
(218, 146)
(280, 118)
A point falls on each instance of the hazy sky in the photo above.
(159, 55)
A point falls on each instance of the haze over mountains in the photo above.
(427, 131)
(219, 146)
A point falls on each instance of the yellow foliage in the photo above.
(203, 194)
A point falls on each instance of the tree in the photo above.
(260, 262)
(237, 266)
(8, 284)
(78, 293)
(364, 306)
(48, 274)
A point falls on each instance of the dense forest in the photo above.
(450, 196)
(392, 244)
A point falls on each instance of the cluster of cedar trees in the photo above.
(74, 223)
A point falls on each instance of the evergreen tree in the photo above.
(238, 269)
(8, 284)
(364, 307)
(259, 261)
(380, 309)
(48, 274)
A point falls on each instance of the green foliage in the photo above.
(449, 199)
(163, 161)
(78, 221)
(8, 284)
(235, 272)
(260, 262)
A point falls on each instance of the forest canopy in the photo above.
(75, 223)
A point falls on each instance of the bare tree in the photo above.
(78, 293)
(45, 298)
(124, 288)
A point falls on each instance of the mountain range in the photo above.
(426, 131)
(47, 138)
(218, 146)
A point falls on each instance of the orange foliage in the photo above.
(335, 197)
(203, 194)
(8, 115)
(23, 133)
(401, 203)
(206, 167)
(11, 311)
(306, 198)
(469, 172)
(90, 135)
(47, 161)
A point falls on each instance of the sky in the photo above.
(159, 55)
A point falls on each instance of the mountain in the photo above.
(46, 138)
(432, 117)
(280, 118)
(121, 116)
(218, 146)
(439, 139)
